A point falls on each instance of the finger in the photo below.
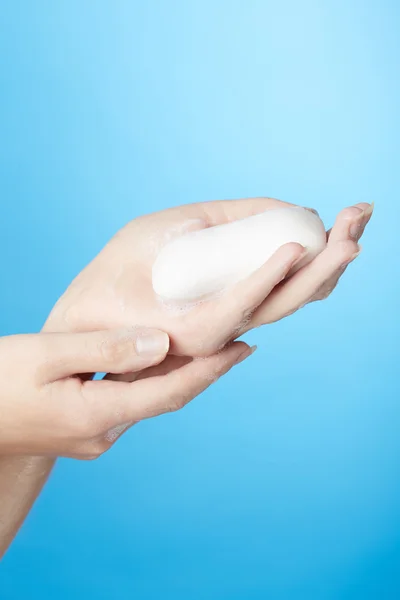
(234, 309)
(170, 363)
(116, 403)
(330, 284)
(219, 212)
(350, 223)
(118, 351)
(305, 284)
(102, 442)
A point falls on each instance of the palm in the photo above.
(116, 290)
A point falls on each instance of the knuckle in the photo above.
(350, 213)
(219, 370)
(114, 351)
(346, 251)
(175, 405)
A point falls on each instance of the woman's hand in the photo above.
(50, 406)
(116, 289)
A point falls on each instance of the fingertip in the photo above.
(283, 260)
(248, 352)
(366, 207)
(350, 213)
(293, 258)
(313, 210)
(129, 349)
(237, 352)
(293, 250)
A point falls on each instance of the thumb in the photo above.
(113, 351)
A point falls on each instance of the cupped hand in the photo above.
(116, 288)
(49, 407)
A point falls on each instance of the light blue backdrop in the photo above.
(283, 480)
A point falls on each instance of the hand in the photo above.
(46, 409)
(115, 289)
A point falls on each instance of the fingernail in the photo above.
(368, 211)
(245, 355)
(154, 343)
(312, 210)
(356, 227)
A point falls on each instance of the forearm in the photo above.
(21, 481)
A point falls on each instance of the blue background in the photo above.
(283, 480)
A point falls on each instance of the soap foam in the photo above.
(195, 266)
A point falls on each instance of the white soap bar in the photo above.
(201, 264)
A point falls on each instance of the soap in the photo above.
(201, 264)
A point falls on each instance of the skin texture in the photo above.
(47, 410)
(21, 481)
(115, 291)
(202, 264)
